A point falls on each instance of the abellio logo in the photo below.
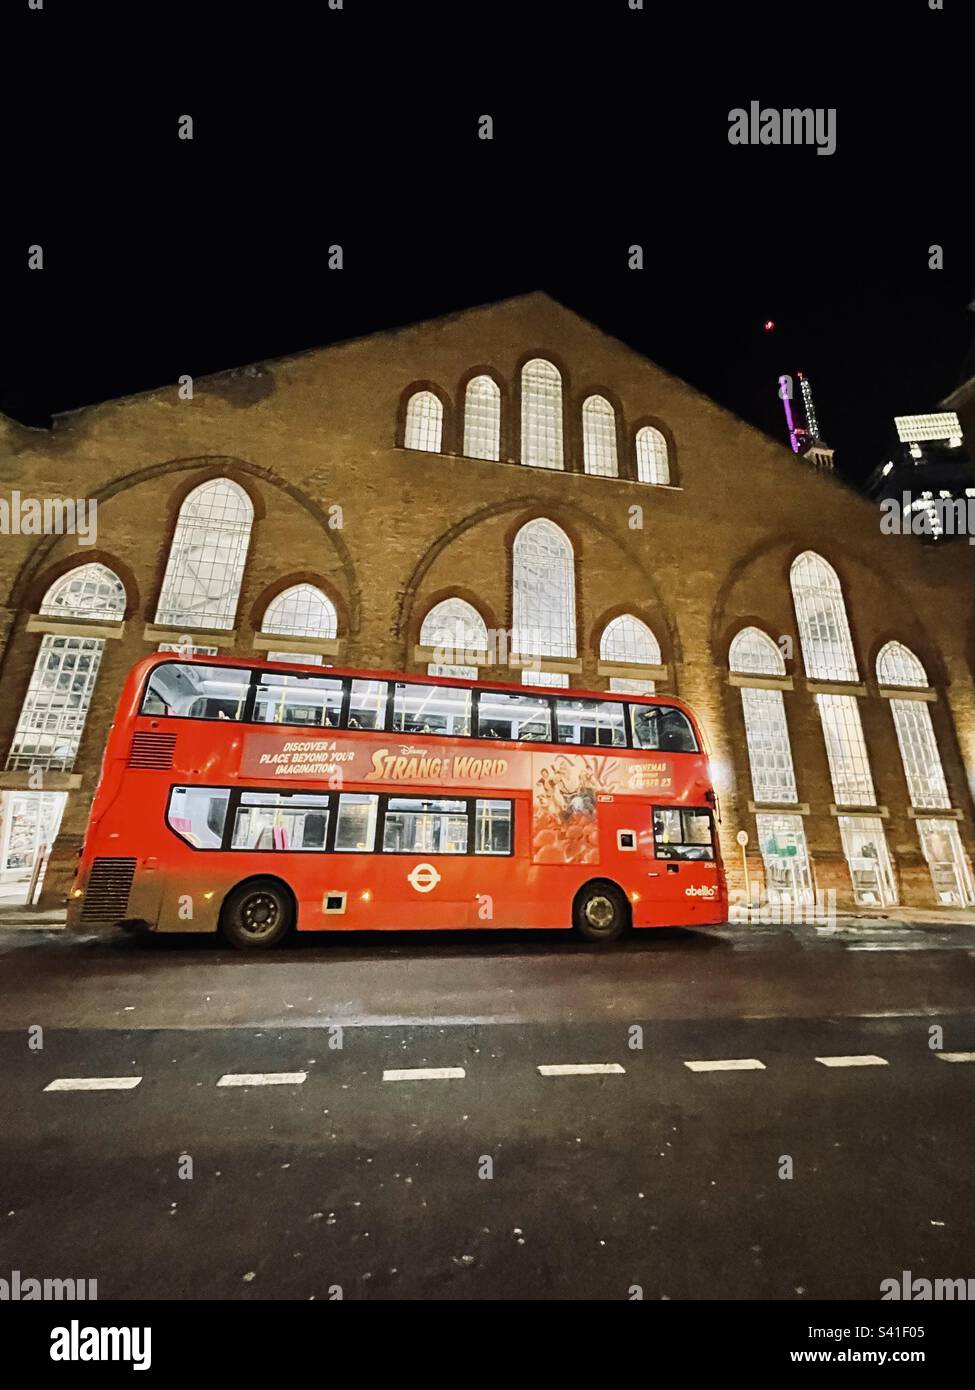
(703, 892)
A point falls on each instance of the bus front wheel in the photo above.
(256, 915)
(600, 912)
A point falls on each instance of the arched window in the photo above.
(599, 437)
(627, 639)
(201, 586)
(897, 665)
(544, 597)
(754, 652)
(652, 465)
(766, 730)
(827, 647)
(541, 415)
(456, 628)
(482, 418)
(55, 707)
(424, 422)
(781, 837)
(301, 611)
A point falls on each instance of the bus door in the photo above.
(687, 881)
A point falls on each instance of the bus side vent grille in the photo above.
(152, 750)
(107, 894)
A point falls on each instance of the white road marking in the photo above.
(262, 1078)
(583, 1069)
(424, 1074)
(866, 1059)
(93, 1083)
(728, 1064)
(956, 1056)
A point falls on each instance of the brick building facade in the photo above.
(351, 471)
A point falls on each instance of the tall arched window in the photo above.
(55, 707)
(766, 730)
(781, 836)
(424, 422)
(652, 465)
(827, 647)
(201, 586)
(544, 597)
(482, 418)
(599, 437)
(541, 415)
(457, 629)
(628, 639)
(950, 871)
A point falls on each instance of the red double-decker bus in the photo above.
(257, 797)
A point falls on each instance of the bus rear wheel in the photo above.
(600, 912)
(257, 915)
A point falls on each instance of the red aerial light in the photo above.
(768, 325)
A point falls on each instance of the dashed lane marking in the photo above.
(728, 1064)
(262, 1078)
(583, 1069)
(866, 1059)
(93, 1083)
(424, 1074)
(956, 1056)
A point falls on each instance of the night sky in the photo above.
(164, 257)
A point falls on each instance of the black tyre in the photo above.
(257, 915)
(600, 912)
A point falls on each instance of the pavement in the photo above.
(736, 1113)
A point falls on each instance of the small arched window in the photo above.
(424, 422)
(456, 630)
(652, 465)
(541, 415)
(754, 653)
(482, 418)
(599, 437)
(897, 665)
(544, 598)
(301, 611)
(201, 586)
(628, 639)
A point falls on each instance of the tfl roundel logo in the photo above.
(423, 877)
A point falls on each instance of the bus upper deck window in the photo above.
(192, 691)
(314, 701)
(597, 723)
(431, 709)
(367, 706)
(662, 728)
(521, 718)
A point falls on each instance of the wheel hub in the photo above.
(599, 912)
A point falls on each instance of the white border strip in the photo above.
(583, 1069)
(866, 1059)
(425, 1074)
(93, 1083)
(262, 1078)
(728, 1064)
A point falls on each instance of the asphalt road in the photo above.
(500, 1181)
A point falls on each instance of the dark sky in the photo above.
(164, 257)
